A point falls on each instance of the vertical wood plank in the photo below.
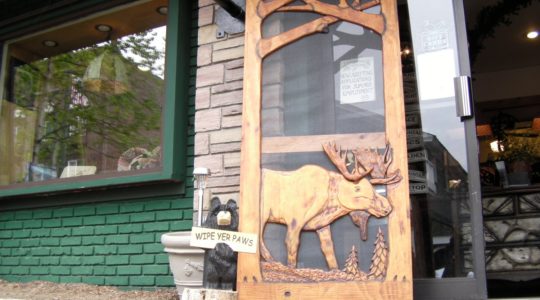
(399, 225)
(250, 156)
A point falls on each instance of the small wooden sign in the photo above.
(414, 142)
(238, 241)
(418, 188)
(418, 176)
(414, 131)
(417, 156)
(412, 119)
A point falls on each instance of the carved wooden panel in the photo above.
(311, 197)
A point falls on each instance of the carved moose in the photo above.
(311, 198)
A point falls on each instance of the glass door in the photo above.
(506, 68)
(448, 261)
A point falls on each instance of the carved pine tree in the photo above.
(351, 264)
(379, 261)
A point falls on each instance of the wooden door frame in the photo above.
(398, 282)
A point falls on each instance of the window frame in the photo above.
(174, 117)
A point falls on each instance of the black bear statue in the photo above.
(220, 262)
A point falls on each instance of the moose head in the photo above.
(370, 168)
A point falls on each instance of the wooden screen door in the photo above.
(323, 165)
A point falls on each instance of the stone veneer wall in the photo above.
(218, 105)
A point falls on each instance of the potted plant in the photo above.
(519, 154)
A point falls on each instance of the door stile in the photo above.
(400, 222)
(472, 160)
(250, 154)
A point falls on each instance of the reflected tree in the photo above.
(76, 121)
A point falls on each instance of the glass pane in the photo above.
(323, 88)
(329, 89)
(85, 99)
(437, 152)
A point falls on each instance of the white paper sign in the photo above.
(436, 71)
(435, 40)
(357, 80)
(238, 241)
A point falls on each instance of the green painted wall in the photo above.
(107, 243)
(114, 243)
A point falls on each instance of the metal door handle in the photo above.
(462, 87)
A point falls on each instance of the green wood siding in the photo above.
(113, 243)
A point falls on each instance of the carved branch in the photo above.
(392, 178)
(358, 6)
(349, 14)
(331, 14)
(297, 8)
(380, 165)
(265, 8)
(356, 3)
(274, 43)
(338, 158)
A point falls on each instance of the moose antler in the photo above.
(339, 158)
(379, 164)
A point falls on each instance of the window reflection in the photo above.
(88, 108)
(437, 157)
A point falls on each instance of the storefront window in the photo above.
(85, 99)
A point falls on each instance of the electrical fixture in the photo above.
(162, 10)
(103, 28)
(49, 43)
(107, 72)
(406, 51)
(533, 34)
(496, 146)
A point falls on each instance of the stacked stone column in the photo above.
(218, 105)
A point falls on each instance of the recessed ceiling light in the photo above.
(162, 10)
(406, 51)
(103, 28)
(49, 43)
(532, 34)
